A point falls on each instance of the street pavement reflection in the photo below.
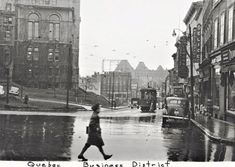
(133, 136)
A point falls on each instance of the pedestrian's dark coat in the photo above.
(94, 134)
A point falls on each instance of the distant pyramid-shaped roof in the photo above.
(141, 67)
(124, 66)
(160, 68)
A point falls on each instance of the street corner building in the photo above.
(43, 39)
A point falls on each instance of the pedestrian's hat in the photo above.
(95, 106)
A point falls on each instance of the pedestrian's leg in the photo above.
(102, 152)
(80, 156)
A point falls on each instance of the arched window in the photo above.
(54, 27)
(33, 30)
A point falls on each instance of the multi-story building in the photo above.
(46, 42)
(7, 29)
(116, 86)
(204, 66)
(193, 22)
(218, 63)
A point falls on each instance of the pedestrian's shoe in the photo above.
(107, 156)
(82, 158)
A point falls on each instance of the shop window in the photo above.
(231, 92)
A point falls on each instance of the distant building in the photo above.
(142, 76)
(116, 86)
(91, 84)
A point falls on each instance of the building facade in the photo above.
(193, 22)
(217, 62)
(7, 35)
(116, 86)
(46, 42)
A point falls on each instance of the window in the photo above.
(216, 34)
(54, 28)
(33, 29)
(222, 28)
(53, 2)
(36, 71)
(29, 54)
(57, 55)
(7, 20)
(33, 1)
(8, 7)
(8, 33)
(50, 55)
(36, 54)
(47, 2)
(230, 24)
(33, 54)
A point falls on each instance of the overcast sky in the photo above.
(136, 30)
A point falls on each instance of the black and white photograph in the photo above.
(117, 83)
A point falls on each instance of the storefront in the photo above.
(228, 81)
(216, 88)
(205, 84)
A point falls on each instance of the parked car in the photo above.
(1, 90)
(177, 108)
(14, 91)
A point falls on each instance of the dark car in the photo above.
(176, 109)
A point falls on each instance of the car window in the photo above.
(175, 101)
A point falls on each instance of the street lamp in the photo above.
(191, 66)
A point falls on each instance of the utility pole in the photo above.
(8, 77)
(113, 90)
(191, 73)
(69, 73)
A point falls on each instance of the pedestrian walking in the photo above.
(94, 134)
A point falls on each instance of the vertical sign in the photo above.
(198, 43)
(182, 52)
(194, 44)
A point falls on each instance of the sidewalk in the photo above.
(216, 129)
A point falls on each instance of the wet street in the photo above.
(128, 135)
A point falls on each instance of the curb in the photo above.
(211, 135)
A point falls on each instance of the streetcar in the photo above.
(148, 99)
